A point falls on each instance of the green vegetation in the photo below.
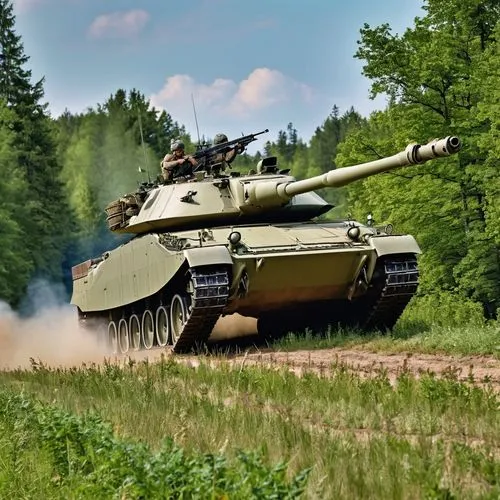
(79, 457)
(347, 437)
(33, 197)
(439, 75)
(440, 339)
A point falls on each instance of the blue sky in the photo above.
(249, 65)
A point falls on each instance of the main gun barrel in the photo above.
(412, 155)
(274, 193)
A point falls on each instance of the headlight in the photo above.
(353, 232)
(234, 238)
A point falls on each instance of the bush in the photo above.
(86, 456)
(442, 309)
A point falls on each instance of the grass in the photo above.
(465, 340)
(80, 457)
(171, 430)
(443, 323)
(417, 438)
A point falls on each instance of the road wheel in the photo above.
(178, 316)
(162, 327)
(134, 328)
(123, 340)
(113, 337)
(148, 329)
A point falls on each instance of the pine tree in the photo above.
(15, 265)
(35, 151)
(15, 86)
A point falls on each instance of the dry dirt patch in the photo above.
(478, 369)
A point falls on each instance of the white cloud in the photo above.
(263, 89)
(265, 98)
(178, 89)
(121, 24)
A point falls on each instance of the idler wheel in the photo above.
(162, 327)
(123, 340)
(148, 329)
(134, 328)
(113, 337)
(178, 316)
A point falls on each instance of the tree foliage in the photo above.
(437, 74)
(15, 262)
(31, 144)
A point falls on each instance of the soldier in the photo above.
(177, 163)
(231, 154)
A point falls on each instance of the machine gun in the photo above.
(207, 157)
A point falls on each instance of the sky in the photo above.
(247, 65)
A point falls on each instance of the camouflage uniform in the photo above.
(175, 160)
(231, 154)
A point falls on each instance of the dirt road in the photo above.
(481, 370)
(56, 340)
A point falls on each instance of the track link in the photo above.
(398, 284)
(209, 295)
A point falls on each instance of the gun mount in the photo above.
(214, 245)
(205, 157)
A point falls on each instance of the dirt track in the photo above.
(477, 369)
(56, 340)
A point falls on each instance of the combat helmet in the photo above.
(220, 138)
(176, 144)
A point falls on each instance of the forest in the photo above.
(441, 76)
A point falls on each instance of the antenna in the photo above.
(196, 121)
(143, 146)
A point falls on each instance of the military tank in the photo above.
(212, 244)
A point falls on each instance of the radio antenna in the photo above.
(143, 146)
(196, 121)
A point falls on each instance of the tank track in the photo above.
(209, 297)
(203, 291)
(392, 294)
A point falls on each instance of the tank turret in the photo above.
(266, 195)
(216, 244)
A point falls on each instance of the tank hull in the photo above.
(164, 286)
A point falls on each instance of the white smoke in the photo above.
(50, 333)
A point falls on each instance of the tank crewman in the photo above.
(231, 154)
(177, 163)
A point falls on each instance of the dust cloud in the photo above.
(232, 326)
(50, 334)
(54, 337)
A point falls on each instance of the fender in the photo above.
(210, 255)
(387, 245)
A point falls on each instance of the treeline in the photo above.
(441, 76)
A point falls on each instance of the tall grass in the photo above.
(49, 453)
(362, 438)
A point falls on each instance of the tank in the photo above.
(216, 243)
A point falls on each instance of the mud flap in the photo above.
(208, 256)
(388, 245)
